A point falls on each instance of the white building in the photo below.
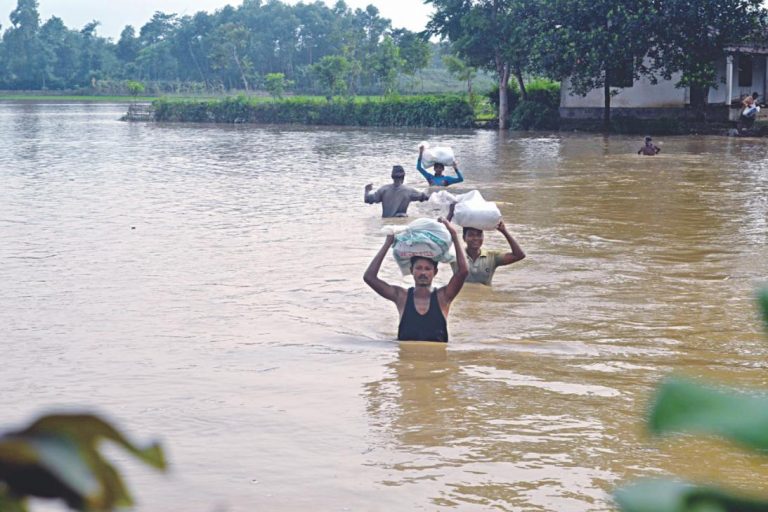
(741, 71)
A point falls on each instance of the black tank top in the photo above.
(417, 327)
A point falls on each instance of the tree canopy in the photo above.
(232, 48)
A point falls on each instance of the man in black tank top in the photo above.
(423, 311)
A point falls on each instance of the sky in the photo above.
(115, 15)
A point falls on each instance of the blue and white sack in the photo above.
(422, 237)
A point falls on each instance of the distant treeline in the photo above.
(444, 111)
(235, 48)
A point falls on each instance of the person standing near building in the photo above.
(649, 148)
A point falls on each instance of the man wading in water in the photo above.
(423, 311)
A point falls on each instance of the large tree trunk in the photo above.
(699, 100)
(503, 70)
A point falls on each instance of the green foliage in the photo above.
(666, 496)
(544, 91)
(497, 35)
(462, 71)
(58, 456)
(530, 115)
(385, 64)
(134, 88)
(691, 35)
(762, 300)
(232, 48)
(539, 112)
(681, 406)
(275, 83)
(332, 72)
(435, 111)
(513, 96)
(414, 50)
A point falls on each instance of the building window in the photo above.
(745, 71)
(622, 75)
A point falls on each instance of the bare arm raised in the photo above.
(517, 253)
(367, 196)
(371, 277)
(449, 292)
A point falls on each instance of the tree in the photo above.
(598, 44)
(128, 45)
(275, 83)
(134, 88)
(414, 50)
(60, 47)
(691, 35)
(385, 64)
(498, 35)
(191, 47)
(25, 57)
(331, 71)
(461, 70)
(228, 52)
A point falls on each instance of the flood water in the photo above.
(202, 285)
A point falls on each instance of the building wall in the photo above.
(641, 95)
(717, 95)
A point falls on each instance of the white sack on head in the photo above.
(473, 211)
(442, 198)
(436, 155)
(422, 237)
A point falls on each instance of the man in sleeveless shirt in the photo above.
(423, 311)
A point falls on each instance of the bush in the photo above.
(513, 97)
(531, 115)
(539, 90)
(544, 91)
(429, 110)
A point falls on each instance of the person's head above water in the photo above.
(423, 270)
(439, 168)
(398, 173)
(648, 139)
(755, 95)
(473, 237)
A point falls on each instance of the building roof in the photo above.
(747, 48)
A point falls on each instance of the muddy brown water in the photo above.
(203, 285)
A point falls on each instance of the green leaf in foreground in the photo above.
(762, 300)
(669, 496)
(683, 405)
(58, 456)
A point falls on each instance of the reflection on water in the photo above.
(203, 284)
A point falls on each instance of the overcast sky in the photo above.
(114, 15)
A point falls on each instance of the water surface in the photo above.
(203, 285)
